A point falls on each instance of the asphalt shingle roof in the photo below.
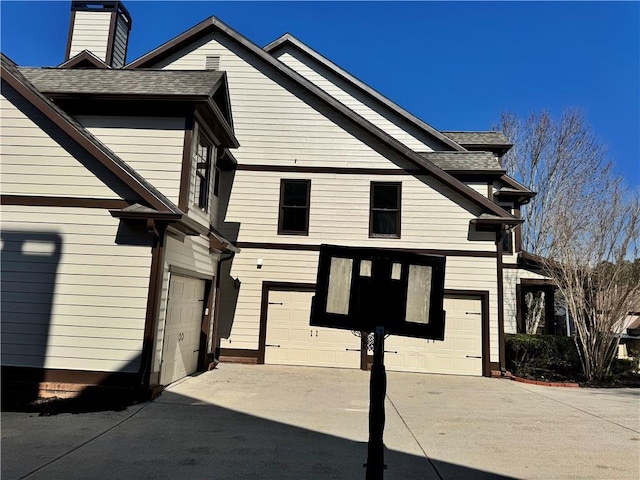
(463, 161)
(17, 73)
(478, 138)
(124, 82)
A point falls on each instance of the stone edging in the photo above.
(546, 384)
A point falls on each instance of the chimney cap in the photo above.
(101, 6)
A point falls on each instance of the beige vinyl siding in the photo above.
(301, 267)
(91, 32)
(350, 96)
(190, 254)
(512, 278)
(481, 187)
(80, 308)
(339, 212)
(120, 43)
(33, 146)
(195, 212)
(150, 145)
(272, 124)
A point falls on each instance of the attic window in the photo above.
(212, 62)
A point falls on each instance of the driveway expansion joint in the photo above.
(86, 442)
(414, 438)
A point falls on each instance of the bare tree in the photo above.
(584, 225)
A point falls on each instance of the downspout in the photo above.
(153, 300)
(216, 312)
(500, 287)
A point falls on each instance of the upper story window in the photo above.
(294, 207)
(204, 152)
(384, 214)
(507, 237)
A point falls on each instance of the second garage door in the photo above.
(291, 341)
(461, 351)
(185, 308)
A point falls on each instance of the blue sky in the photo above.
(456, 65)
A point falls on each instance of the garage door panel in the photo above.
(183, 324)
(290, 340)
(460, 352)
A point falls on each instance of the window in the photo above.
(384, 216)
(294, 207)
(507, 242)
(507, 237)
(203, 171)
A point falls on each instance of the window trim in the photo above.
(398, 210)
(203, 140)
(282, 206)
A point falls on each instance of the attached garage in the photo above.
(289, 340)
(461, 352)
(185, 311)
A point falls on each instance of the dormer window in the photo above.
(203, 171)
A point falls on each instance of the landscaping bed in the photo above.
(555, 359)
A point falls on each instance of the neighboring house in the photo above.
(129, 195)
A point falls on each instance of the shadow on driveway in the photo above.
(182, 438)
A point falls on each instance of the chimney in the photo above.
(101, 27)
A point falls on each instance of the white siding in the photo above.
(33, 146)
(91, 32)
(272, 124)
(190, 254)
(276, 126)
(120, 43)
(350, 96)
(195, 212)
(73, 298)
(339, 212)
(480, 187)
(462, 273)
(150, 145)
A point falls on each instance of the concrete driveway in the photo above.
(269, 422)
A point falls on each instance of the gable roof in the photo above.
(494, 141)
(84, 59)
(204, 86)
(179, 83)
(511, 190)
(12, 75)
(212, 24)
(289, 40)
(477, 162)
(478, 138)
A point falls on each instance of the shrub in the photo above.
(548, 356)
(624, 366)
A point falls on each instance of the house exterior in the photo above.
(159, 250)
(107, 278)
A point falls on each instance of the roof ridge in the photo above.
(379, 97)
(206, 26)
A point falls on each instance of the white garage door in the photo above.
(185, 308)
(291, 341)
(460, 353)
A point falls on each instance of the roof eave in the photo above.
(210, 24)
(178, 221)
(36, 98)
(288, 39)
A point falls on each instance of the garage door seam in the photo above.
(415, 438)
